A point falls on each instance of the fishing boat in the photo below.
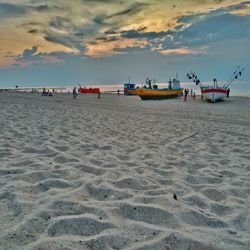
(152, 92)
(88, 90)
(215, 93)
(129, 89)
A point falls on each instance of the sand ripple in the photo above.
(101, 174)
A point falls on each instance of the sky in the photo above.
(92, 42)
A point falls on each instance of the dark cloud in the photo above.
(130, 10)
(133, 9)
(79, 33)
(60, 22)
(7, 10)
(33, 27)
(106, 39)
(32, 57)
(9, 54)
(56, 39)
(30, 24)
(101, 19)
(42, 8)
(67, 41)
(34, 31)
(29, 52)
(142, 34)
(49, 7)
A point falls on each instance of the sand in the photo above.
(101, 173)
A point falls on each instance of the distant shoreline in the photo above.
(239, 88)
(67, 91)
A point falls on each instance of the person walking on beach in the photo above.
(185, 94)
(44, 92)
(228, 92)
(74, 93)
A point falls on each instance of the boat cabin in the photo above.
(129, 86)
(174, 84)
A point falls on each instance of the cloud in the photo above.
(196, 33)
(242, 9)
(14, 10)
(32, 56)
(103, 47)
(184, 51)
(134, 8)
(213, 27)
(76, 26)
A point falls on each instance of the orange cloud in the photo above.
(107, 48)
(164, 15)
(15, 41)
(94, 17)
(184, 51)
(244, 11)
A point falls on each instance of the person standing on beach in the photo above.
(228, 92)
(44, 92)
(185, 94)
(74, 93)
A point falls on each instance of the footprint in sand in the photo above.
(87, 226)
(148, 214)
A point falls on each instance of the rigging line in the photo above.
(231, 77)
(239, 73)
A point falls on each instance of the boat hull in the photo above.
(129, 91)
(214, 94)
(158, 94)
(89, 90)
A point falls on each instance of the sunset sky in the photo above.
(62, 42)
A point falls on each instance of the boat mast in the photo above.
(215, 82)
(235, 76)
(232, 76)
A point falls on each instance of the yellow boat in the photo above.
(157, 94)
(149, 92)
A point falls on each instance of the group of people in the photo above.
(186, 93)
(148, 84)
(47, 93)
(192, 93)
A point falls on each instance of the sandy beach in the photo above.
(101, 173)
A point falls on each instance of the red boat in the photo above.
(89, 90)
